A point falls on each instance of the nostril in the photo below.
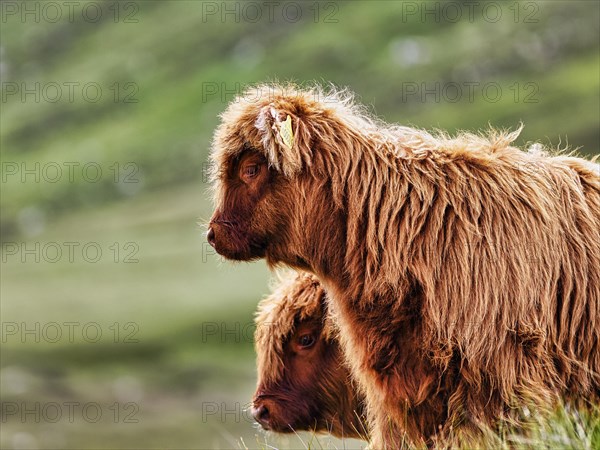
(261, 414)
(210, 236)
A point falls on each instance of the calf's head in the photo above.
(302, 381)
(263, 203)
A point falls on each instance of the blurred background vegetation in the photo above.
(176, 349)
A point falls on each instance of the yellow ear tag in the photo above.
(286, 133)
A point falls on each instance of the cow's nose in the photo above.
(261, 414)
(210, 236)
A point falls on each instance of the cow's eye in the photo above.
(251, 170)
(306, 341)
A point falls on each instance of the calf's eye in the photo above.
(306, 341)
(251, 170)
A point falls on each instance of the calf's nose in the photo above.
(210, 236)
(261, 414)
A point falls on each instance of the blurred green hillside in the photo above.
(181, 62)
(165, 70)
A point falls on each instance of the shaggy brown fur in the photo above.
(302, 381)
(464, 273)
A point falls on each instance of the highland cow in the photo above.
(463, 273)
(303, 384)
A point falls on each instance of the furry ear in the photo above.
(284, 139)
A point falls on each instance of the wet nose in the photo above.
(261, 414)
(210, 236)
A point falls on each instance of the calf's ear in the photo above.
(285, 139)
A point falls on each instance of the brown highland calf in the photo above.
(303, 384)
(463, 273)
